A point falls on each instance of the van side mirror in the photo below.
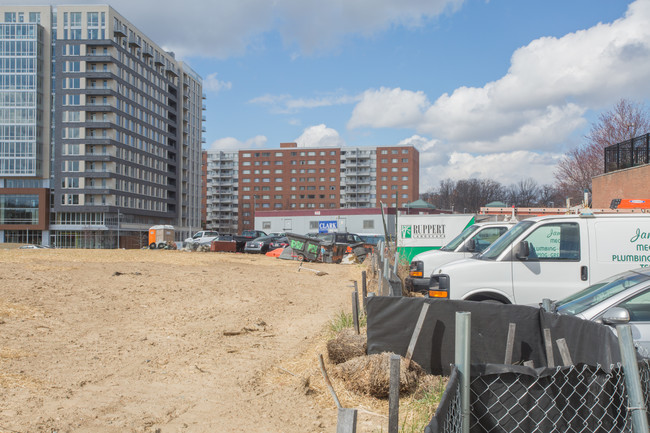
(443, 282)
(616, 316)
(522, 250)
(471, 245)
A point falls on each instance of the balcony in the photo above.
(119, 30)
(629, 153)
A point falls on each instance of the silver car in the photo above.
(621, 299)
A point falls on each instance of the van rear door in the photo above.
(556, 264)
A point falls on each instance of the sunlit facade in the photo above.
(109, 121)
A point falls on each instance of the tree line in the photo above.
(572, 176)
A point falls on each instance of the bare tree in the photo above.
(575, 170)
(524, 193)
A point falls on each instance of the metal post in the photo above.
(396, 263)
(364, 289)
(393, 394)
(463, 340)
(386, 280)
(635, 399)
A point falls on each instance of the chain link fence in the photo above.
(384, 267)
(513, 399)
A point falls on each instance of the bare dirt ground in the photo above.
(169, 341)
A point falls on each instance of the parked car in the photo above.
(30, 247)
(621, 299)
(246, 236)
(340, 238)
(259, 245)
(372, 239)
(208, 241)
(202, 236)
(282, 242)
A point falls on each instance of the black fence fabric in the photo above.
(392, 320)
(516, 399)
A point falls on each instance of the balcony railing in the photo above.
(629, 153)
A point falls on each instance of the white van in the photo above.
(474, 239)
(547, 257)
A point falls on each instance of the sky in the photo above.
(496, 89)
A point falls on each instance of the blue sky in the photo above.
(494, 89)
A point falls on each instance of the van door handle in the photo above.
(584, 273)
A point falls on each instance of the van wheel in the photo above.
(152, 246)
(162, 245)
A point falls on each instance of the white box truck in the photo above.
(547, 257)
(473, 240)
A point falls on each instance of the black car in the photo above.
(259, 245)
(279, 243)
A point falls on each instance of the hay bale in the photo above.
(345, 346)
(371, 375)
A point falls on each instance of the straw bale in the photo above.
(345, 346)
(371, 375)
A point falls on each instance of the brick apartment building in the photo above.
(300, 178)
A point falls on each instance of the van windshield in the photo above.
(455, 242)
(499, 246)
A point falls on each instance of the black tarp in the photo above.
(392, 320)
(518, 399)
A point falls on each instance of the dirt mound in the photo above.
(371, 375)
(346, 345)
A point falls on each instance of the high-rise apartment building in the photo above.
(221, 191)
(307, 178)
(100, 130)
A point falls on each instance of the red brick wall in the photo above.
(312, 175)
(397, 173)
(630, 183)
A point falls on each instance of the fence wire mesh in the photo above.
(575, 399)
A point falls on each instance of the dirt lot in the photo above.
(140, 341)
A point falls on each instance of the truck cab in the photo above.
(474, 239)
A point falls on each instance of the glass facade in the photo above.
(19, 50)
(19, 209)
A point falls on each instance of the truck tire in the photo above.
(162, 245)
(152, 246)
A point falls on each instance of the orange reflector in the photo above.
(416, 274)
(437, 294)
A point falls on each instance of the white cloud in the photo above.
(389, 108)
(231, 144)
(314, 25)
(319, 136)
(539, 103)
(225, 28)
(506, 168)
(285, 104)
(212, 84)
